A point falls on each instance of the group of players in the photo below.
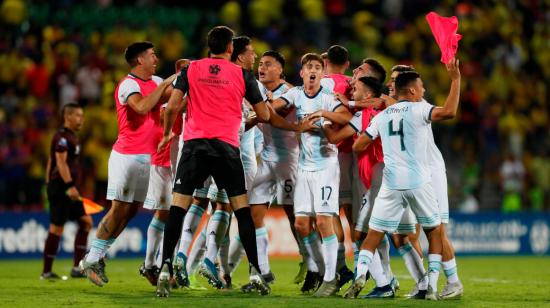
(335, 142)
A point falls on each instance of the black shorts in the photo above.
(201, 158)
(62, 208)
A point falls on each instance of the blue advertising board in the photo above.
(22, 235)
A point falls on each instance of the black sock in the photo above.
(172, 231)
(247, 233)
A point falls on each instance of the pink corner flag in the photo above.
(444, 30)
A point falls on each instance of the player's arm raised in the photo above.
(142, 105)
(448, 111)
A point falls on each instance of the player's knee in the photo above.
(57, 230)
(325, 224)
(302, 226)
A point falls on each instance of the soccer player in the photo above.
(159, 194)
(216, 88)
(136, 95)
(337, 62)
(316, 195)
(62, 174)
(404, 130)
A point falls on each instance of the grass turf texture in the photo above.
(488, 282)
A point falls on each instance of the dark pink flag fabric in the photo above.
(444, 30)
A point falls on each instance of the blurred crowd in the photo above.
(496, 151)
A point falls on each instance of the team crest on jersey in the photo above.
(214, 69)
(62, 142)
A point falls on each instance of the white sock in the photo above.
(158, 255)
(384, 252)
(356, 246)
(341, 259)
(236, 253)
(197, 252)
(330, 256)
(217, 226)
(450, 269)
(154, 237)
(262, 242)
(224, 255)
(363, 262)
(190, 225)
(97, 250)
(110, 243)
(413, 262)
(377, 271)
(315, 262)
(434, 264)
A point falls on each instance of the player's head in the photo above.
(312, 69)
(73, 116)
(371, 68)
(243, 52)
(366, 87)
(338, 57)
(181, 64)
(220, 40)
(142, 54)
(395, 71)
(271, 67)
(409, 86)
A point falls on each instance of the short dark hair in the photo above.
(403, 68)
(133, 51)
(373, 84)
(69, 108)
(404, 79)
(310, 56)
(337, 55)
(275, 55)
(379, 71)
(218, 38)
(239, 46)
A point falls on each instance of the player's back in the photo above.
(216, 91)
(403, 128)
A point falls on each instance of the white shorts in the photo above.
(274, 179)
(317, 192)
(159, 194)
(346, 177)
(390, 206)
(358, 191)
(128, 177)
(439, 184)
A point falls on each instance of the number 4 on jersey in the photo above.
(398, 132)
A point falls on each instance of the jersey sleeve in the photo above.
(252, 93)
(181, 82)
(126, 89)
(158, 80)
(61, 144)
(425, 111)
(331, 103)
(356, 121)
(262, 90)
(373, 131)
(328, 83)
(290, 96)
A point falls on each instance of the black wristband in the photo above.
(69, 184)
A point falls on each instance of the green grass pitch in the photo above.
(488, 282)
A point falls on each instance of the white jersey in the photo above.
(316, 153)
(435, 157)
(404, 129)
(248, 153)
(279, 145)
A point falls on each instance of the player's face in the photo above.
(311, 73)
(76, 119)
(149, 60)
(269, 70)
(248, 58)
(361, 71)
(391, 84)
(360, 92)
